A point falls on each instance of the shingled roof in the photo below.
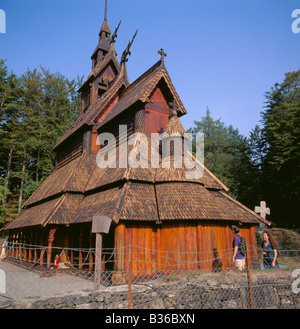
(76, 191)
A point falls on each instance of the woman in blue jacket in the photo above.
(269, 246)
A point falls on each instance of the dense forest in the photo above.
(37, 107)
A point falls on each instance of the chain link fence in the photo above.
(180, 281)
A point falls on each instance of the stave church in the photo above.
(151, 209)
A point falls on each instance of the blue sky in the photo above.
(220, 54)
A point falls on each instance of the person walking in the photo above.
(3, 249)
(238, 257)
(269, 246)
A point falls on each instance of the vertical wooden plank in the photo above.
(126, 248)
(218, 249)
(119, 247)
(181, 249)
(134, 255)
(80, 249)
(254, 243)
(199, 246)
(128, 251)
(158, 248)
(194, 246)
(164, 243)
(172, 244)
(206, 245)
(188, 251)
(227, 259)
(148, 242)
(161, 243)
(153, 250)
(50, 242)
(98, 260)
(141, 252)
(91, 259)
(42, 251)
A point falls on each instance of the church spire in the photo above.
(104, 40)
(105, 13)
(105, 30)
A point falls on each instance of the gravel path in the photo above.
(22, 283)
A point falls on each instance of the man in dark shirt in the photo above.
(238, 258)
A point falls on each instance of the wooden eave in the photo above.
(88, 118)
(101, 66)
(140, 90)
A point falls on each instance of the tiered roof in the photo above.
(76, 191)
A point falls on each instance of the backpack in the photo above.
(242, 246)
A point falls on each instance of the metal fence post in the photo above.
(249, 280)
(129, 290)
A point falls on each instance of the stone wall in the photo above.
(188, 290)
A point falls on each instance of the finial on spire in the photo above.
(127, 51)
(114, 36)
(162, 54)
(105, 14)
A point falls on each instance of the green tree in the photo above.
(9, 109)
(281, 166)
(227, 155)
(36, 110)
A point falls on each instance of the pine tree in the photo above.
(36, 109)
(226, 154)
(281, 166)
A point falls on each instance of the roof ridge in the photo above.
(140, 79)
(55, 208)
(102, 64)
(246, 208)
(88, 117)
(121, 79)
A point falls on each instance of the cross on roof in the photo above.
(262, 210)
(162, 54)
(173, 108)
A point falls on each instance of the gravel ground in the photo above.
(22, 283)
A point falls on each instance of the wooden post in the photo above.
(9, 244)
(50, 242)
(30, 245)
(249, 281)
(100, 225)
(98, 260)
(129, 290)
(80, 247)
(72, 252)
(91, 260)
(14, 252)
(17, 245)
(35, 242)
(20, 246)
(42, 252)
(24, 245)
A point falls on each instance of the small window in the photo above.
(101, 92)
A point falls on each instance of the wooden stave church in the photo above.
(156, 209)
